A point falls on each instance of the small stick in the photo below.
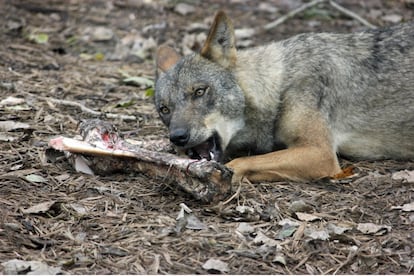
(291, 14)
(86, 109)
(306, 6)
(351, 14)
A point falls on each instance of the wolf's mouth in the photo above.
(209, 150)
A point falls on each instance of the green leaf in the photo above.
(149, 92)
(125, 103)
(72, 40)
(286, 231)
(99, 56)
(40, 38)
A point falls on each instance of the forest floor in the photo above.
(58, 55)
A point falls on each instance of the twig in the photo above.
(351, 14)
(291, 14)
(352, 253)
(236, 194)
(71, 103)
(86, 109)
(306, 6)
(120, 116)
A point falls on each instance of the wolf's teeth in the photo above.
(211, 155)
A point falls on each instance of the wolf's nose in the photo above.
(179, 136)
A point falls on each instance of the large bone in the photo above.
(106, 153)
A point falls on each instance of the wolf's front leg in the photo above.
(297, 164)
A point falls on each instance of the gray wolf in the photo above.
(287, 109)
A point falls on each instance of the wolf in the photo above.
(286, 110)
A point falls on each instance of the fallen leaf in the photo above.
(16, 267)
(245, 228)
(12, 25)
(188, 220)
(337, 230)
(16, 167)
(347, 172)
(139, 81)
(244, 209)
(306, 217)
(261, 238)
(19, 107)
(216, 265)
(184, 209)
(279, 258)
(267, 7)
(39, 208)
(39, 38)
(12, 125)
(405, 176)
(244, 33)
(286, 231)
(81, 165)
(125, 103)
(79, 208)
(371, 228)
(7, 138)
(196, 27)
(72, 40)
(114, 251)
(184, 8)
(393, 18)
(12, 101)
(35, 178)
(375, 13)
(408, 207)
(97, 56)
(86, 56)
(99, 33)
(316, 234)
(62, 177)
(288, 222)
(194, 223)
(299, 206)
(149, 92)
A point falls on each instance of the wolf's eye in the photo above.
(198, 92)
(164, 109)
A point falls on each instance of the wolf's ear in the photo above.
(166, 58)
(220, 45)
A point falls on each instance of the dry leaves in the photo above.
(214, 265)
(19, 267)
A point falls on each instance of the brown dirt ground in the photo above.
(126, 223)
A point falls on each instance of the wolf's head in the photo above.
(198, 97)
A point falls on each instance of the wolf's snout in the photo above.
(179, 136)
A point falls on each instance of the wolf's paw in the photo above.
(238, 166)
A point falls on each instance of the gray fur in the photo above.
(362, 85)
